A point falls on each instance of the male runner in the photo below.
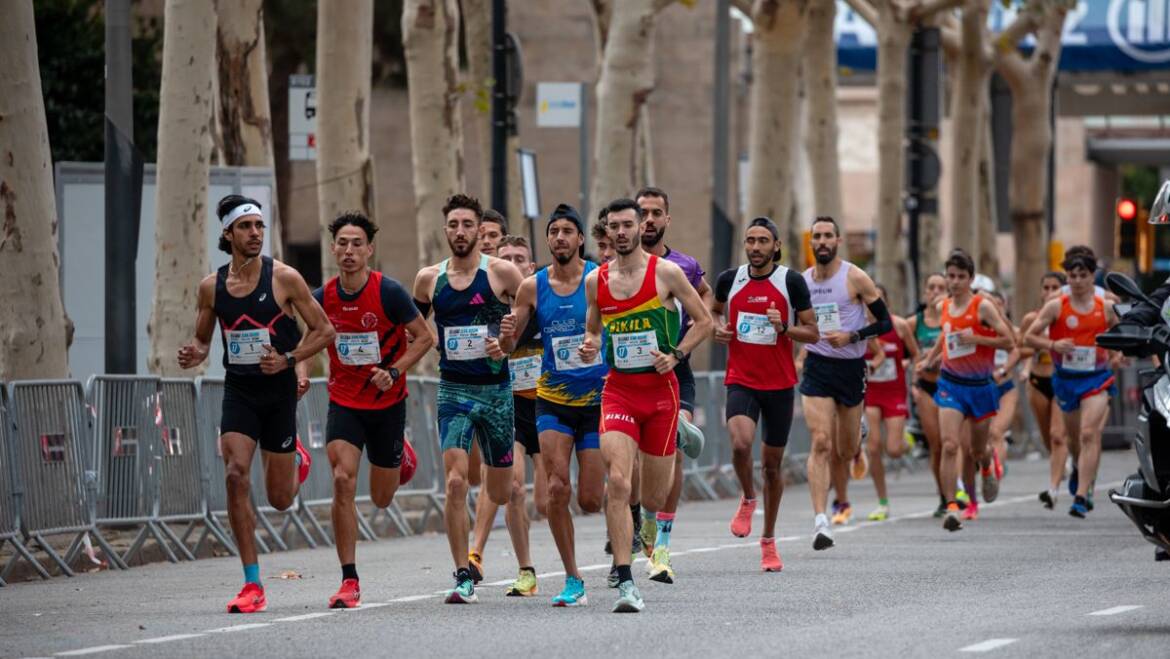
(492, 230)
(634, 297)
(524, 365)
(656, 532)
(1082, 382)
(767, 308)
(470, 292)
(256, 300)
(568, 399)
(833, 387)
(368, 361)
(972, 331)
(604, 246)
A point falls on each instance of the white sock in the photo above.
(821, 520)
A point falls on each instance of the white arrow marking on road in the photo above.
(989, 645)
(94, 650)
(307, 616)
(168, 639)
(1117, 609)
(238, 628)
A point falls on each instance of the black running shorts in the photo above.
(843, 380)
(379, 432)
(263, 407)
(775, 405)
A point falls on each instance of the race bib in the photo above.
(565, 353)
(525, 372)
(1083, 359)
(245, 347)
(1001, 358)
(357, 348)
(887, 371)
(633, 350)
(955, 349)
(828, 317)
(756, 329)
(466, 342)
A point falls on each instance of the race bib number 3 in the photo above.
(828, 317)
(755, 328)
(955, 350)
(565, 353)
(466, 342)
(244, 347)
(525, 372)
(633, 350)
(358, 348)
(1081, 359)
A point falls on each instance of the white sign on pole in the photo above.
(558, 104)
(302, 118)
(531, 196)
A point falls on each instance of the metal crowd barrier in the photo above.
(48, 448)
(429, 483)
(10, 489)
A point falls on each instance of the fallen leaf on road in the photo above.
(289, 574)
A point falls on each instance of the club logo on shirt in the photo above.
(263, 296)
(619, 417)
(757, 299)
(1072, 322)
(476, 299)
(369, 320)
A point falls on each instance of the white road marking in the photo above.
(238, 628)
(989, 645)
(168, 639)
(1117, 609)
(378, 605)
(306, 616)
(94, 650)
(411, 598)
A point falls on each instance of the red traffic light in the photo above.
(1126, 209)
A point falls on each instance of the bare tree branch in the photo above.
(865, 9)
(744, 6)
(1027, 22)
(1012, 65)
(952, 43)
(929, 8)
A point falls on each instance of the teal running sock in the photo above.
(252, 573)
(665, 523)
(883, 502)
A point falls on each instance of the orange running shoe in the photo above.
(306, 462)
(770, 558)
(250, 600)
(741, 524)
(349, 596)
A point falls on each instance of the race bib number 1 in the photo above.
(566, 355)
(357, 348)
(828, 317)
(245, 347)
(1083, 359)
(633, 350)
(756, 329)
(955, 350)
(467, 342)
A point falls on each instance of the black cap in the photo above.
(565, 212)
(768, 224)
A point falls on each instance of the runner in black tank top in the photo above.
(253, 299)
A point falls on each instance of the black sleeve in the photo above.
(396, 302)
(882, 322)
(319, 296)
(723, 285)
(798, 294)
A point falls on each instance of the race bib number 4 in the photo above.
(756, 329)
(525, 372)
(565, 353)
(358, 348)
(955, 350)
(1083, 359)
(828, 317)
(245, 347)
(633, 350)
(466, 342)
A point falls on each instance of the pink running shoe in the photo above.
(971, 512)
(770, 558)
(306, 462)
(741, 524)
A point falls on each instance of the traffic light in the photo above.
(1126, 209)
(1127, 234)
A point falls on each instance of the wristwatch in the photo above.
(394, 374)
(290, 359)
(679, 355)
(783, 328)
(854, 337)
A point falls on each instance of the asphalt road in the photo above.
(1020, 581)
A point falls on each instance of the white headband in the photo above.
(240, 211)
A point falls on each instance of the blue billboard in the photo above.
(1099, 35)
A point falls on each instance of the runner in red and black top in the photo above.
(367, 383)
(767, 308)
(256, 300)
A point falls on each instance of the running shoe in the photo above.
(613, 579)
(990, 485)
(1161, 555)
(880, 514)
(304, 464)
(690, 437)
(573, 593)
(348, 597)
(629, 599)
(860, 466)
(822, 534)
(475, 564)
(1073, 481)
(1078, 508)
(769, 557)
(250, 600)
(660, 569)
(962, 498)
(463, 592)
(741, 524)
(524, 585)
(971, 512)
(951, 519)
(942, 508)
(648, 535)
(843, 515)
(1048, 498)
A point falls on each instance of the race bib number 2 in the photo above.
(633, 350)
(466, 342)
(245, 347)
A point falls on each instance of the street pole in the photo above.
(499, 108)
(721, 230)
(120, 205)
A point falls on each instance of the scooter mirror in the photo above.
(1124, 286)
(1160, 210)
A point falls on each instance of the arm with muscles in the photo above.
(512, 326)
(989, 315)
(868, 292)
(679, 288)
(902, 327)
(591, 345)
(400, 309)
(320, 331)
(193, 354)
(506, 283)
(804, 330)
(1034, 336)
(875, 348)
(724, 331)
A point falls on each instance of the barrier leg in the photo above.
(295, 520)
(268, 528)
(161, 527)
(23, 552)
(364, 528)
(56, 558)
(399, 519)
(212, 526)
(316, 524)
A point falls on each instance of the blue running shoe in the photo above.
(573, 594)
(463, 592)
(1078, 509)
(1073, 481)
